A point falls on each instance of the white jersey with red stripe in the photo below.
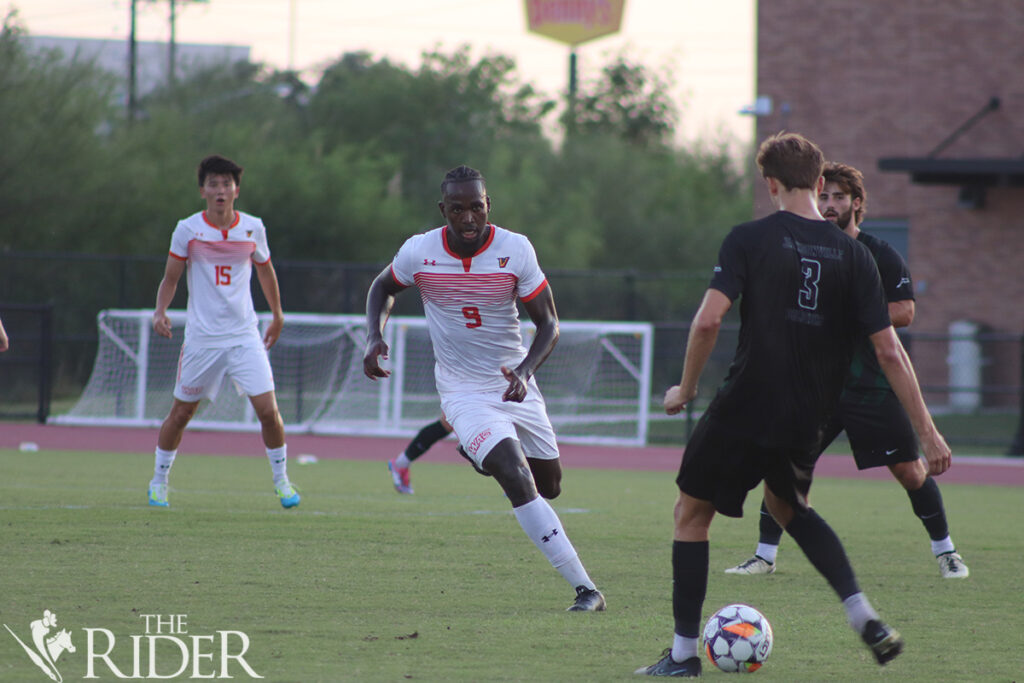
(470, 304)
(220, 309)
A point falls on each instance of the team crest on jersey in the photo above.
(502, 261)
(248, 233)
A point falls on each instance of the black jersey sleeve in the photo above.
(895, 274)
(872, 310)
(731, 270)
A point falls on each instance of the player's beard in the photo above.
(843, 219)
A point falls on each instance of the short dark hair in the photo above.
(215, 164)
(850, 181)
(461, 174)
(792, 159)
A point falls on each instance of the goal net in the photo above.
(597, 382)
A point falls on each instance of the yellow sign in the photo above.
(574, 21)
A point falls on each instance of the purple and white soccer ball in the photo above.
(737, 639)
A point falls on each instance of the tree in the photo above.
(628, 101)
(53, 113)
(451, 110)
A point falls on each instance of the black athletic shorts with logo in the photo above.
(878, 428)
(721, 465)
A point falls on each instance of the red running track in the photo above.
(969, 470)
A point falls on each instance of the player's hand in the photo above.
(516, 391)
(676, 399)
(375, 348)
(162, 324)
(937, 453)
(273, 332)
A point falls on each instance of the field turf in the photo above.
(361, 584)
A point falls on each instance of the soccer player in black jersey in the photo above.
(808, 294)
(877, 426)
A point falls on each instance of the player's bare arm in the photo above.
(900, 372)
(4, 343)
(541, 310)
(267, 276)
(379, 301)
(901, 313)
(165, 294)
(699, 344)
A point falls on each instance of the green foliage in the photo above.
(52, 141)
(627, 101)
(360, 584)
(450, 111)
(347, 168)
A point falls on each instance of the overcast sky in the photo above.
(709, 46)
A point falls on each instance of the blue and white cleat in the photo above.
(158, 495)
(289, 496)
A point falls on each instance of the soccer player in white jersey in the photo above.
(470, 273)
(217, 248)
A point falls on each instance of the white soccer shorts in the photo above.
(201, 370)
(482, 420)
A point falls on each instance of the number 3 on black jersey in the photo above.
(811, 271)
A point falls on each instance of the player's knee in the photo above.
(910, 475)
(182, 413)
(549, 489)
(270, 417)
(547, 474)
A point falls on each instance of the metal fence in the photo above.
(972, 377)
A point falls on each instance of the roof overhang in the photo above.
(973, 176)
(977, 172)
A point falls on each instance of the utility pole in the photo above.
(172, 59)
(292, 14)
(132, 59)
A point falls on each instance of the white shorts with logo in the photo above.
(201, 370)
(482, 420)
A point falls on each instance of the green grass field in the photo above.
(361, 584)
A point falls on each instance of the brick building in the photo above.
(927, 99)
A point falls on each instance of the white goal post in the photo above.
(597, 381)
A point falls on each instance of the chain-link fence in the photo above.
(971, 376)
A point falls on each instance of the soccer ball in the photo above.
(737, 638)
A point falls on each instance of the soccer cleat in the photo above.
(666, 666)
(158, 495)
(755, 565)
(289, 496)
(400, 477)
(587, 600)
(885, 642)
(461, 451)
(952, 566)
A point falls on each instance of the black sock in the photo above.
(689, 585)
(427, 437)
(771, 532)
(825, 551)
(927, 503)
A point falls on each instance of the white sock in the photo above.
(162, 467)
(683, 648)
(279, 463)
(859, 611)
(767, 552)
(943, 546)
(401, 462)
(542, 525)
